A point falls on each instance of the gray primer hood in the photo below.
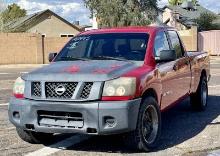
(94, 70)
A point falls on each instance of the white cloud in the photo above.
(2, 5)
(71, 11)
(162, 3)
(213, 5)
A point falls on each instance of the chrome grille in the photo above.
(51, 90)
(62, 90)
(86, 90)
(36, 89)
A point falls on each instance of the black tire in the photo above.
(34, 137)
(199, 99)
(136, 139)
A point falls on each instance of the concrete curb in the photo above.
(214, 153)
(21, 65)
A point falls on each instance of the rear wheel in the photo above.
(34, 137)
(147, 133)
(199, 99)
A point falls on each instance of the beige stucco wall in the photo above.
(190, 38)
(52, 27)
(20, 48)
(28, 48)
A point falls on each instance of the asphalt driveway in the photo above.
(184, 132)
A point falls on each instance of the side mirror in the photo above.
(166, 55)
(51, 56)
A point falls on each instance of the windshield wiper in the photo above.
(70, 58)
(111, 58)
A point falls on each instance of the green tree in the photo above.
(1, 23)
(2, 7)
(205, 21)
(175, 2)
(195, 2)
(115, 13)
(12, 12)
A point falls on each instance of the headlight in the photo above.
(124, 86)
(18, 89)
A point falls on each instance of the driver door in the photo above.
(166, 71)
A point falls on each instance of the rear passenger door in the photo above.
(181, 66)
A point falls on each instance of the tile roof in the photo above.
(187, 17)
(23, 23)
(191, 14)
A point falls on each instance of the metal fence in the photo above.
(209, 41)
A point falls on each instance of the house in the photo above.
(46, 23)
(183, 16)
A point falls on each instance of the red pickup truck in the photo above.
(110, 81)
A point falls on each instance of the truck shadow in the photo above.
(179, 124)
(182, 123)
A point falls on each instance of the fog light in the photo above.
(110, 121)
(16, 115)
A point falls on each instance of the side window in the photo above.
(161, 43)
(175, 42)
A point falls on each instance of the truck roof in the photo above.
(143, 29)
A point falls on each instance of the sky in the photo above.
(75, 10)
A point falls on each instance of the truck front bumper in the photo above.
(99, 117)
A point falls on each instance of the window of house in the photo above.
(66, 35)
(70, 35)
(176, 44)
(161, 43)
(63, 35)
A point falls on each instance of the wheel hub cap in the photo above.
(150, 124)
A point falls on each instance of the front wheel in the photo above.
(147, 133)
(199, 99)
(34, 137)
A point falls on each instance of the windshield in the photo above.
(117, 46)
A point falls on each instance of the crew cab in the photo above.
(110, 81)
